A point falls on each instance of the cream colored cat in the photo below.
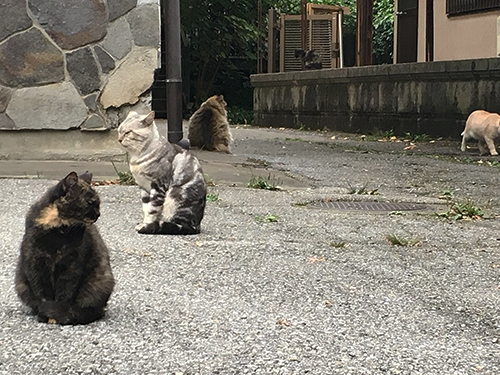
(485, 128)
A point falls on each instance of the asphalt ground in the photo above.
(273, 285)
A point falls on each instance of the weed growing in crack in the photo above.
(267, 219)
(269, 183)
(124, 178)
(407, 241)
(212, 197)
(466, 209)
(361, 190)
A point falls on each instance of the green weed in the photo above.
(361, 190)
(407, 241)
(417, 137)
(269, 183)
(466, 209)
(208, 180)
(124, 178)
(212, 197)
(267, 219)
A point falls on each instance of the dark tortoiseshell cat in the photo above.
(63, 272)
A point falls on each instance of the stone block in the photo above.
(94, 122)
(105, 60)
(145, 25)
(5, 95)
(133, 77)
(30, 59)
(118, 42)
(118, 8)
(6, 122)
(71, 23)
(83, 70)
(91, 101)
(57, 106)
(14, 18)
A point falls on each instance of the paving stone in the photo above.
(144, 23)
(105, 60)
(14, 17)
(118, 41)
(57, 106)
(130, 79)
(5, 95)
(30, 59)
(118, 8)
(82, 68)
(71, 23)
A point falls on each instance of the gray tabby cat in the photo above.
(171, 179)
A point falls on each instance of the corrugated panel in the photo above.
(466, 6)
(321, 38)
(291, 43)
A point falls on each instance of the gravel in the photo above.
(316, 292)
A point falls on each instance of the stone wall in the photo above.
(75, 64)
(421, 98)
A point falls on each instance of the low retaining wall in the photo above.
(421, 98)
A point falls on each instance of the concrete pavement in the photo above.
(273, 285)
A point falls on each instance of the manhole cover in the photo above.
(368, 206)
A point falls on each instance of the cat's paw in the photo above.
(148, 228)
(53, 312)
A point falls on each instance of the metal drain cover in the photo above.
(368, 206)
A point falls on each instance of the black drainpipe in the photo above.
(171, 24)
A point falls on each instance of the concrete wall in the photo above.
(467, 36)
(75, 64)
(421, 98)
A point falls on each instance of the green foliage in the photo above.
(266, 183)
(219, 39)
(239, 115)
(397, 240)
(383, 23)
(212, 197)
(124, 178)
(417, 137)
(383, 31)
(466, 209)
(361, 190)
(267, 219)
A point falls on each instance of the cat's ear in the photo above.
(148, 120)
(87, 177)
(67, 182)
(220, 98)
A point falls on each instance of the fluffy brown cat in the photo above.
(208, 126)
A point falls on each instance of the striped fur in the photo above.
(208, 126)
(171, 179)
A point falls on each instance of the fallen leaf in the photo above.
(316, 259)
